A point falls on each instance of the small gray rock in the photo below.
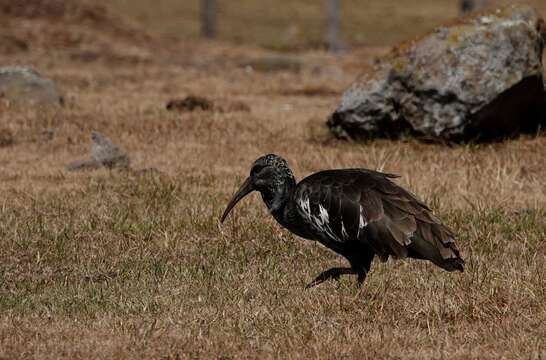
(480, 78)
(23, 84)
(104, 153)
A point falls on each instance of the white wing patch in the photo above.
(305, 207)
(343, 231)
(320, 221)
(323, 214)
(362, 223)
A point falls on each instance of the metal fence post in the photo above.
(332, 33)
(208, 18)
(466, 6)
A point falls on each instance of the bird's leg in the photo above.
(333, 273)
(363, 265)
(361, 276)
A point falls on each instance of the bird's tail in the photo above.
(453, 264)
(448, 258)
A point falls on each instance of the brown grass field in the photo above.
(125, 265)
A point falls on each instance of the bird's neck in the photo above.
(277, 197)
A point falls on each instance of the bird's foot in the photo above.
(361, 277)
(333, 273)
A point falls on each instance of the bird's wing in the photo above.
(411, 223)
(341, 206)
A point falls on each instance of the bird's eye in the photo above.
(257, 169)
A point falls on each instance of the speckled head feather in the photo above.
(270, 175)
(272, 160)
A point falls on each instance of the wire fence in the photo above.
(209, 9)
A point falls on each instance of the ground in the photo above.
(113, 264)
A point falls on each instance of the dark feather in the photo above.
(364, 206)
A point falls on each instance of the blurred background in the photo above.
(128, 28)
(294, 25)
(133, 264)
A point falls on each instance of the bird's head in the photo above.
(271, 176)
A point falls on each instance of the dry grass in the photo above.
(118, 265)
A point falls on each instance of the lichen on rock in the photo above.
(480, 77)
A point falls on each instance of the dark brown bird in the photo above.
(357, 213)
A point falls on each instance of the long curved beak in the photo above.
(244, 190)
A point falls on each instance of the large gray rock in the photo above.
(23, 84)
(479, 78)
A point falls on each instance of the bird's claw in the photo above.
(334, 273)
